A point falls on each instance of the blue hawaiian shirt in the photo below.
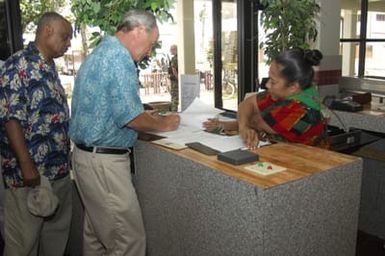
(106, 97)
(31, 92)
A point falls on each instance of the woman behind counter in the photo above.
(290, 110)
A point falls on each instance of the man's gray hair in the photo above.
(48, 18)
(135, 18)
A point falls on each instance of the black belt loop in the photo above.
(101, 150)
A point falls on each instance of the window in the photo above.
(380, 17)
(362, 42)
(10, 28)
(235, 51)
(229, 55)
(5, 50)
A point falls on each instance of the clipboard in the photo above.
(169, 144)
(202, 148)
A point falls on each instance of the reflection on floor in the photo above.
(369, 245)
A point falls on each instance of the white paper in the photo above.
(197, 113)
(191, 129)
(190, 89)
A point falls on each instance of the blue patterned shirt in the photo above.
(106, 97)
(31, 92)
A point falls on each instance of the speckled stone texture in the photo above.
(358, 120)
(372, 210)
(190, 209)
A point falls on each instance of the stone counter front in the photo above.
(194, 205)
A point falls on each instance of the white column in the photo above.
(186, 39)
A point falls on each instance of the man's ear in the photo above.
(137, 32)
(143, 31)
(48, 30)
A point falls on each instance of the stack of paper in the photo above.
(191, 129)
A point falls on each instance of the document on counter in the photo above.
(197, 113)
(219, 142)
(192, 119)
(191, 130)
(189, 89)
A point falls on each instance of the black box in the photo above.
(237, 157)
(346, 105)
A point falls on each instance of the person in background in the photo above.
(106, 116)
(173, 73)
(34, 140)
(290, 109)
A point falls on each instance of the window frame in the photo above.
(362, 41)
(247, 46)
(13, 27)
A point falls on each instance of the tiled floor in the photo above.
(368, 245)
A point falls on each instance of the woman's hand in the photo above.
(249, 137)
(213, 124)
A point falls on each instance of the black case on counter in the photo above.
(237, 157)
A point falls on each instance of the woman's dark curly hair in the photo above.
(296, 65)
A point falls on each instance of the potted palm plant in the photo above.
(288, 24)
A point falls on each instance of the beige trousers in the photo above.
(113, 222)
(26, 234)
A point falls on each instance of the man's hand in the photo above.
(153, 112)
(15, 135)
(172, 122)
(153, 121)
(31, 176)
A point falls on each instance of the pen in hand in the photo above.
(153, 112)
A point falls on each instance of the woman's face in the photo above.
(276, 84)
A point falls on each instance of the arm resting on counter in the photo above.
(250, 121)
(152, 121)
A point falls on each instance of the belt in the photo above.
(101, 150)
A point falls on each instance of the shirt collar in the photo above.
(31, 47)
(309, 97)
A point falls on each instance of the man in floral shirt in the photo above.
(33, 140)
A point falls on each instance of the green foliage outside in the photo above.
(288, 24)
(31, 11)
(106, 14)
